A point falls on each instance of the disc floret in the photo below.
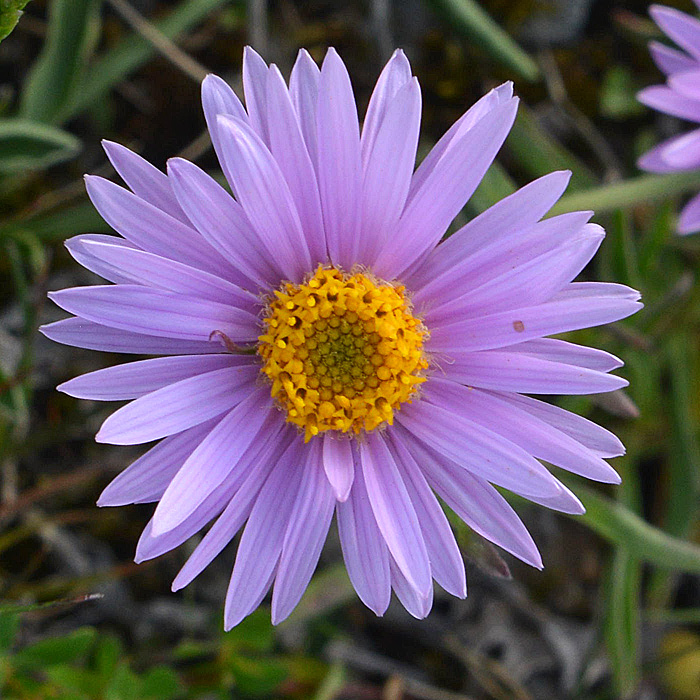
(343, 351)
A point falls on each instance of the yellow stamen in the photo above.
(343, 352)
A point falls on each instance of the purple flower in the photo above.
(322, 353)
(679, 97)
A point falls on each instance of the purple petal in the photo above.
(476, 502)
(480, 450)
(591, 290)
(150, 546)
(254, 79)
(178, 406)
(134, 379)
(152, 270)
(669, 60)
(153, 312)
(338, 464)
(338, 167)
(289, 150)
(446, 563)
(689, 220)
(686, 83)
(512, 214)
(256, 465)
(508, 371)
(220, 219)
(598, 440)
(682, 28)
(364, 550)
(565, 502)
(261, 543)
(677, 153)
(388, 169)
(265, 197)
(394, 512)
(520, 427)
(152, 229)
(533, 282)
(517, 325)
(86, 334)
(218, 98)
(664, 99)
(303, 90)
(144, 179)
(393, 77)
(474, 114)
(77, 248)
(305, 536)
(214, 458)
(416, 604)
(568, 353)
(146, 479)
(445, 191)
(499, 257)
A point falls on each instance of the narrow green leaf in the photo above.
(56, 75)
(9, 624)
(629, 193)
(124, 685)
(643, 541)
(10, 12)
(28, 145)
(57, 650)
(621, 625)
(117, 63)
(469, 19)
(538, 153)
(160, 683)
(684, 467)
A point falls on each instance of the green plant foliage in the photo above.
(80, 665)
(10, 12)
(57, 73)
(29, 145)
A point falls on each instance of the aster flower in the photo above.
(322, 354)
(679, 97)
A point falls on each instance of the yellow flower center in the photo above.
(342, 351)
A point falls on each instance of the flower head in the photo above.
(323, 352)
(679, 97)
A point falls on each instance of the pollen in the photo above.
(342, 352)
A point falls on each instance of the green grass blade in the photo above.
(629, 193)
(469, 19)
(117, 63)
(27, 145)
(621, 626)
(621, 527)
(56, 75)
(10, 12)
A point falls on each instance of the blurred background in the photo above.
(615, 613)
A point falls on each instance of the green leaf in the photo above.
(254, 633)
(117, 63)
(469, 19)
(259, 676)
(77, 681)
(107, 654)
(27, 145)
(56, 75)
(10, 12)
(643, 541)
(57, 650)
(125, 685)
(628, 193)
(9, 624)
(621, 627)
(160, 683)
